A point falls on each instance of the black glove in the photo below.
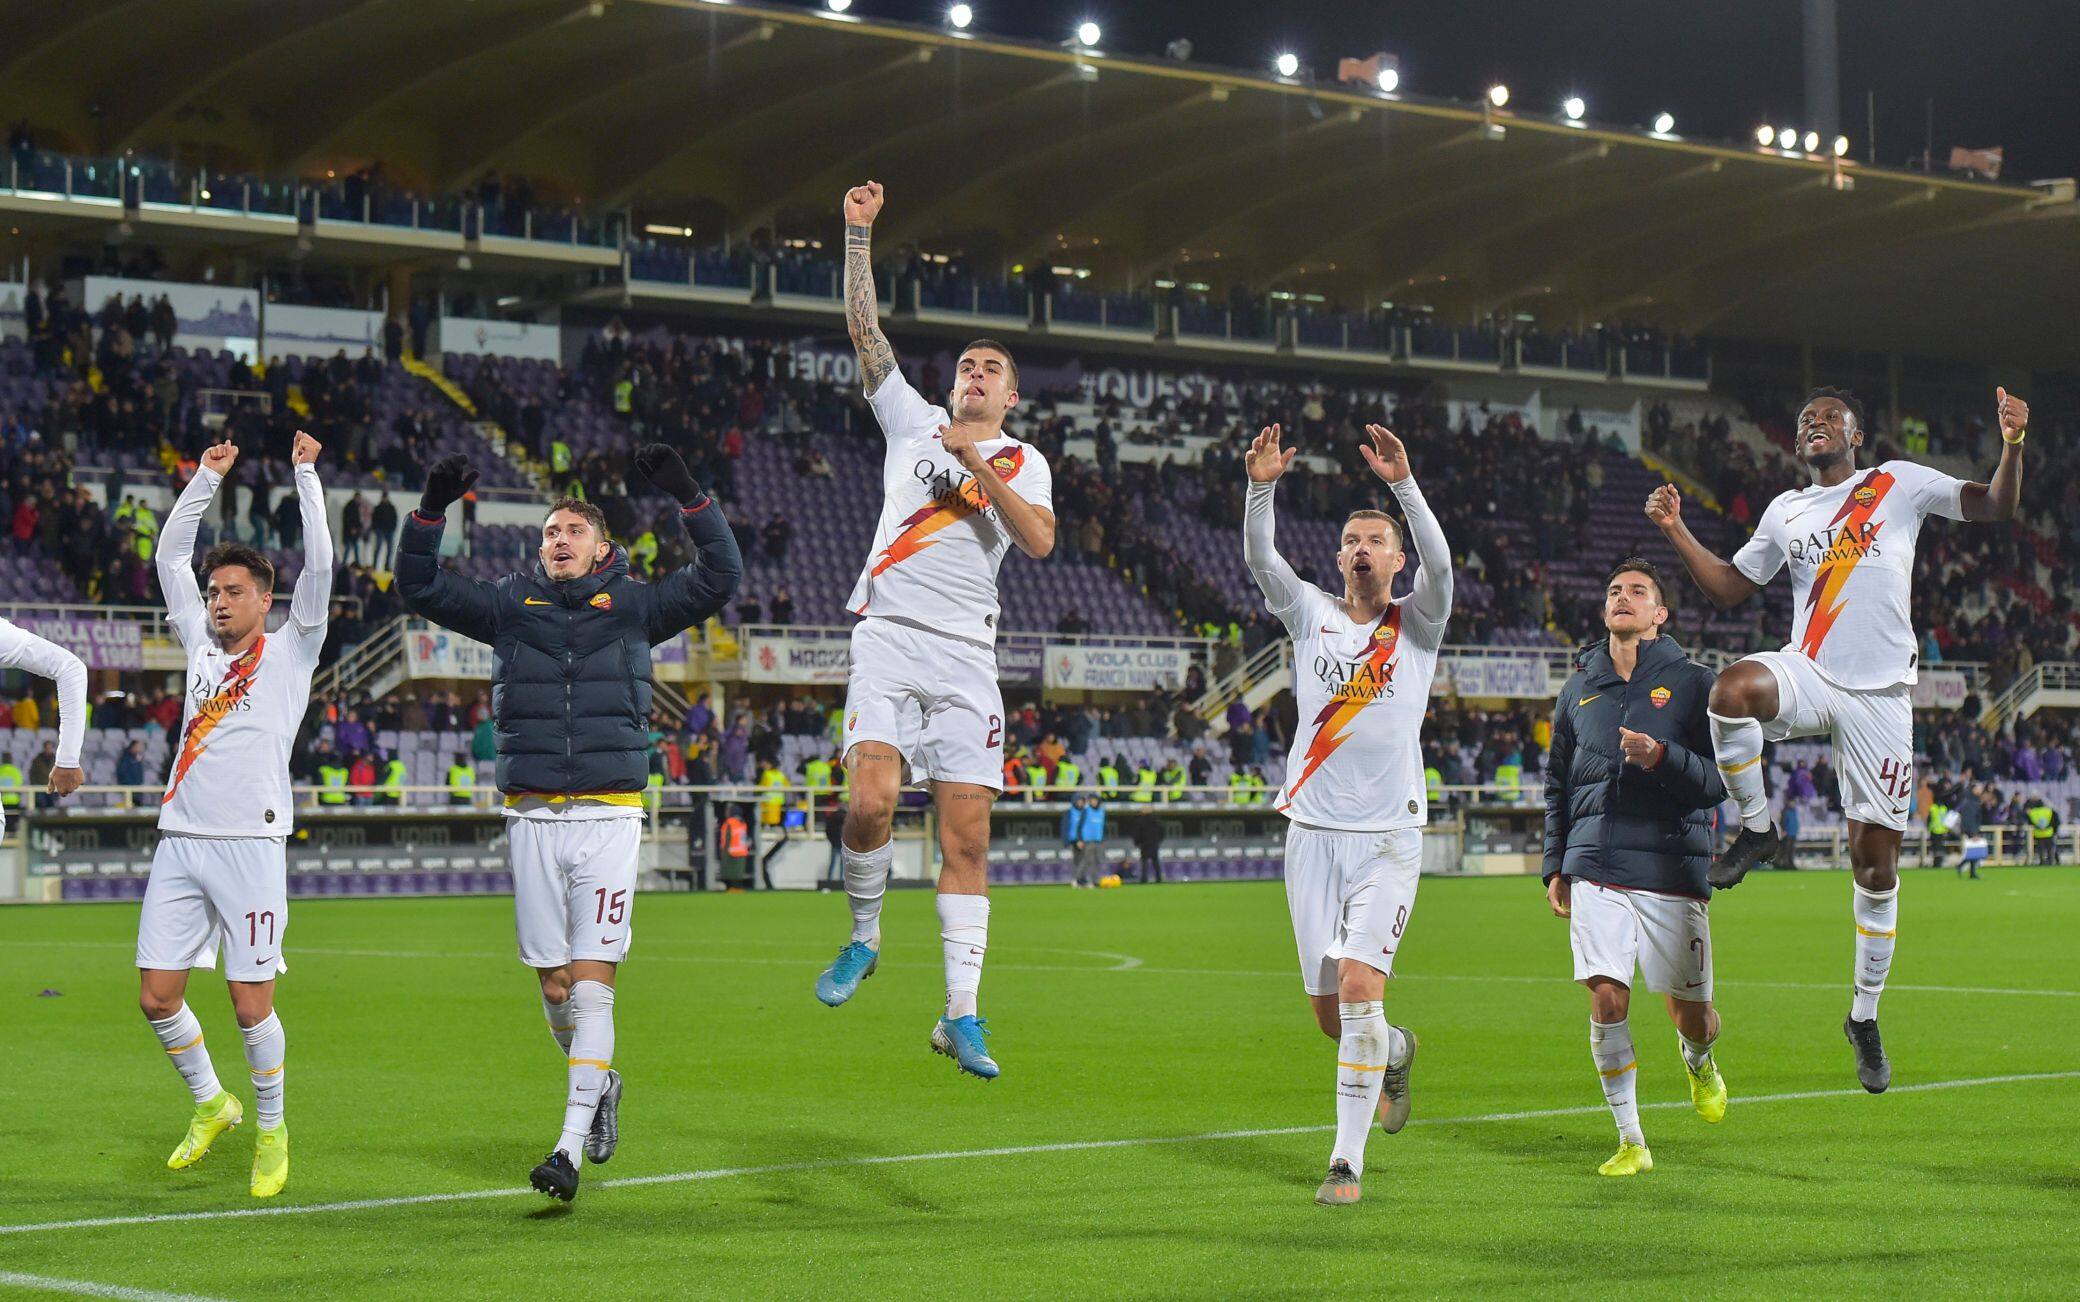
(449, 479)
(667, 470)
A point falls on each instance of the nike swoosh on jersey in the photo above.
(1586, 699)
(535, 601)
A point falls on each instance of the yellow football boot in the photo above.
(271, 1161)
(1708, 1092)
(211, 1119)
(1630, 1159)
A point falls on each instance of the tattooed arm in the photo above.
(862, 317)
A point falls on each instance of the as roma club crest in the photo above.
(1385, 636)
(602, 601)
(1660, 697)
(1866, 496)
(1004, 464)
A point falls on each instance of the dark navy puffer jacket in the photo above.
(1616, 823)
(570, 694)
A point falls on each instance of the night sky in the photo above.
(2001, 72)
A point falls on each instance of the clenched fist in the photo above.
(862, 204)
(449, 479)
(1665, 507)
(306, 450)
(1639, 748)
(220, 456)
(2013, 414)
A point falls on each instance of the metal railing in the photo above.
(374, 654)
(1269, 659)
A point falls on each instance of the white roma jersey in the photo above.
(939, 543)
(1356, 763)
(230, 773)
(1851, 552)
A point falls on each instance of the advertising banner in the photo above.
(1116, 669)
(99, 643)
(212, 317)
(437, 653)
(320, 331)
(499, 339)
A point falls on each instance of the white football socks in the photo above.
(1610, 1043)
(964, 932)
(266, 1048)
(1737, 746)
(1877, 926)
(561, 1024)
(592, 1052)
(1362, 1054)
(866, 881)
(181, 1036)
(1695, 1054)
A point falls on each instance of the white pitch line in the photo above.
(1121, 963)
(87, 1288)
(951, 1155)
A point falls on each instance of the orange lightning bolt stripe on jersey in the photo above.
(238, 681)
(1825, 603)
(1365, 687)
(919, 528)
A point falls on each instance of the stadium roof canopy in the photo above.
(735, 116)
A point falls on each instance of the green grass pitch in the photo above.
(419, 1066)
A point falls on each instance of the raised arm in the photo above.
(429, 589)
(1432, 598)
(704, 585)
(21, 649)
(1282, 588)
(313, 599)
(175, 556)
(1725, 585)
(1998, 500)
(862, 308)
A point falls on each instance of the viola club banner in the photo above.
(1117, 669)
(99, 643)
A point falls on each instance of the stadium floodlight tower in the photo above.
(1573, 107)
(1287, 63)
(959, 17)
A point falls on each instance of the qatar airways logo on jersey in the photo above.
(952, 487)
(214, 700)
(1355, 680)
(1848, 542)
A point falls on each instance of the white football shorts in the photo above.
(574, 887)
(934, 698)
(210, 891)
(1872, 732)
(1350, 894)
(1667, 937)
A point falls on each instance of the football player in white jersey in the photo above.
(1354, 788)
(21, 649)
(220, 873)
(923, 702)
(1849, 669)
